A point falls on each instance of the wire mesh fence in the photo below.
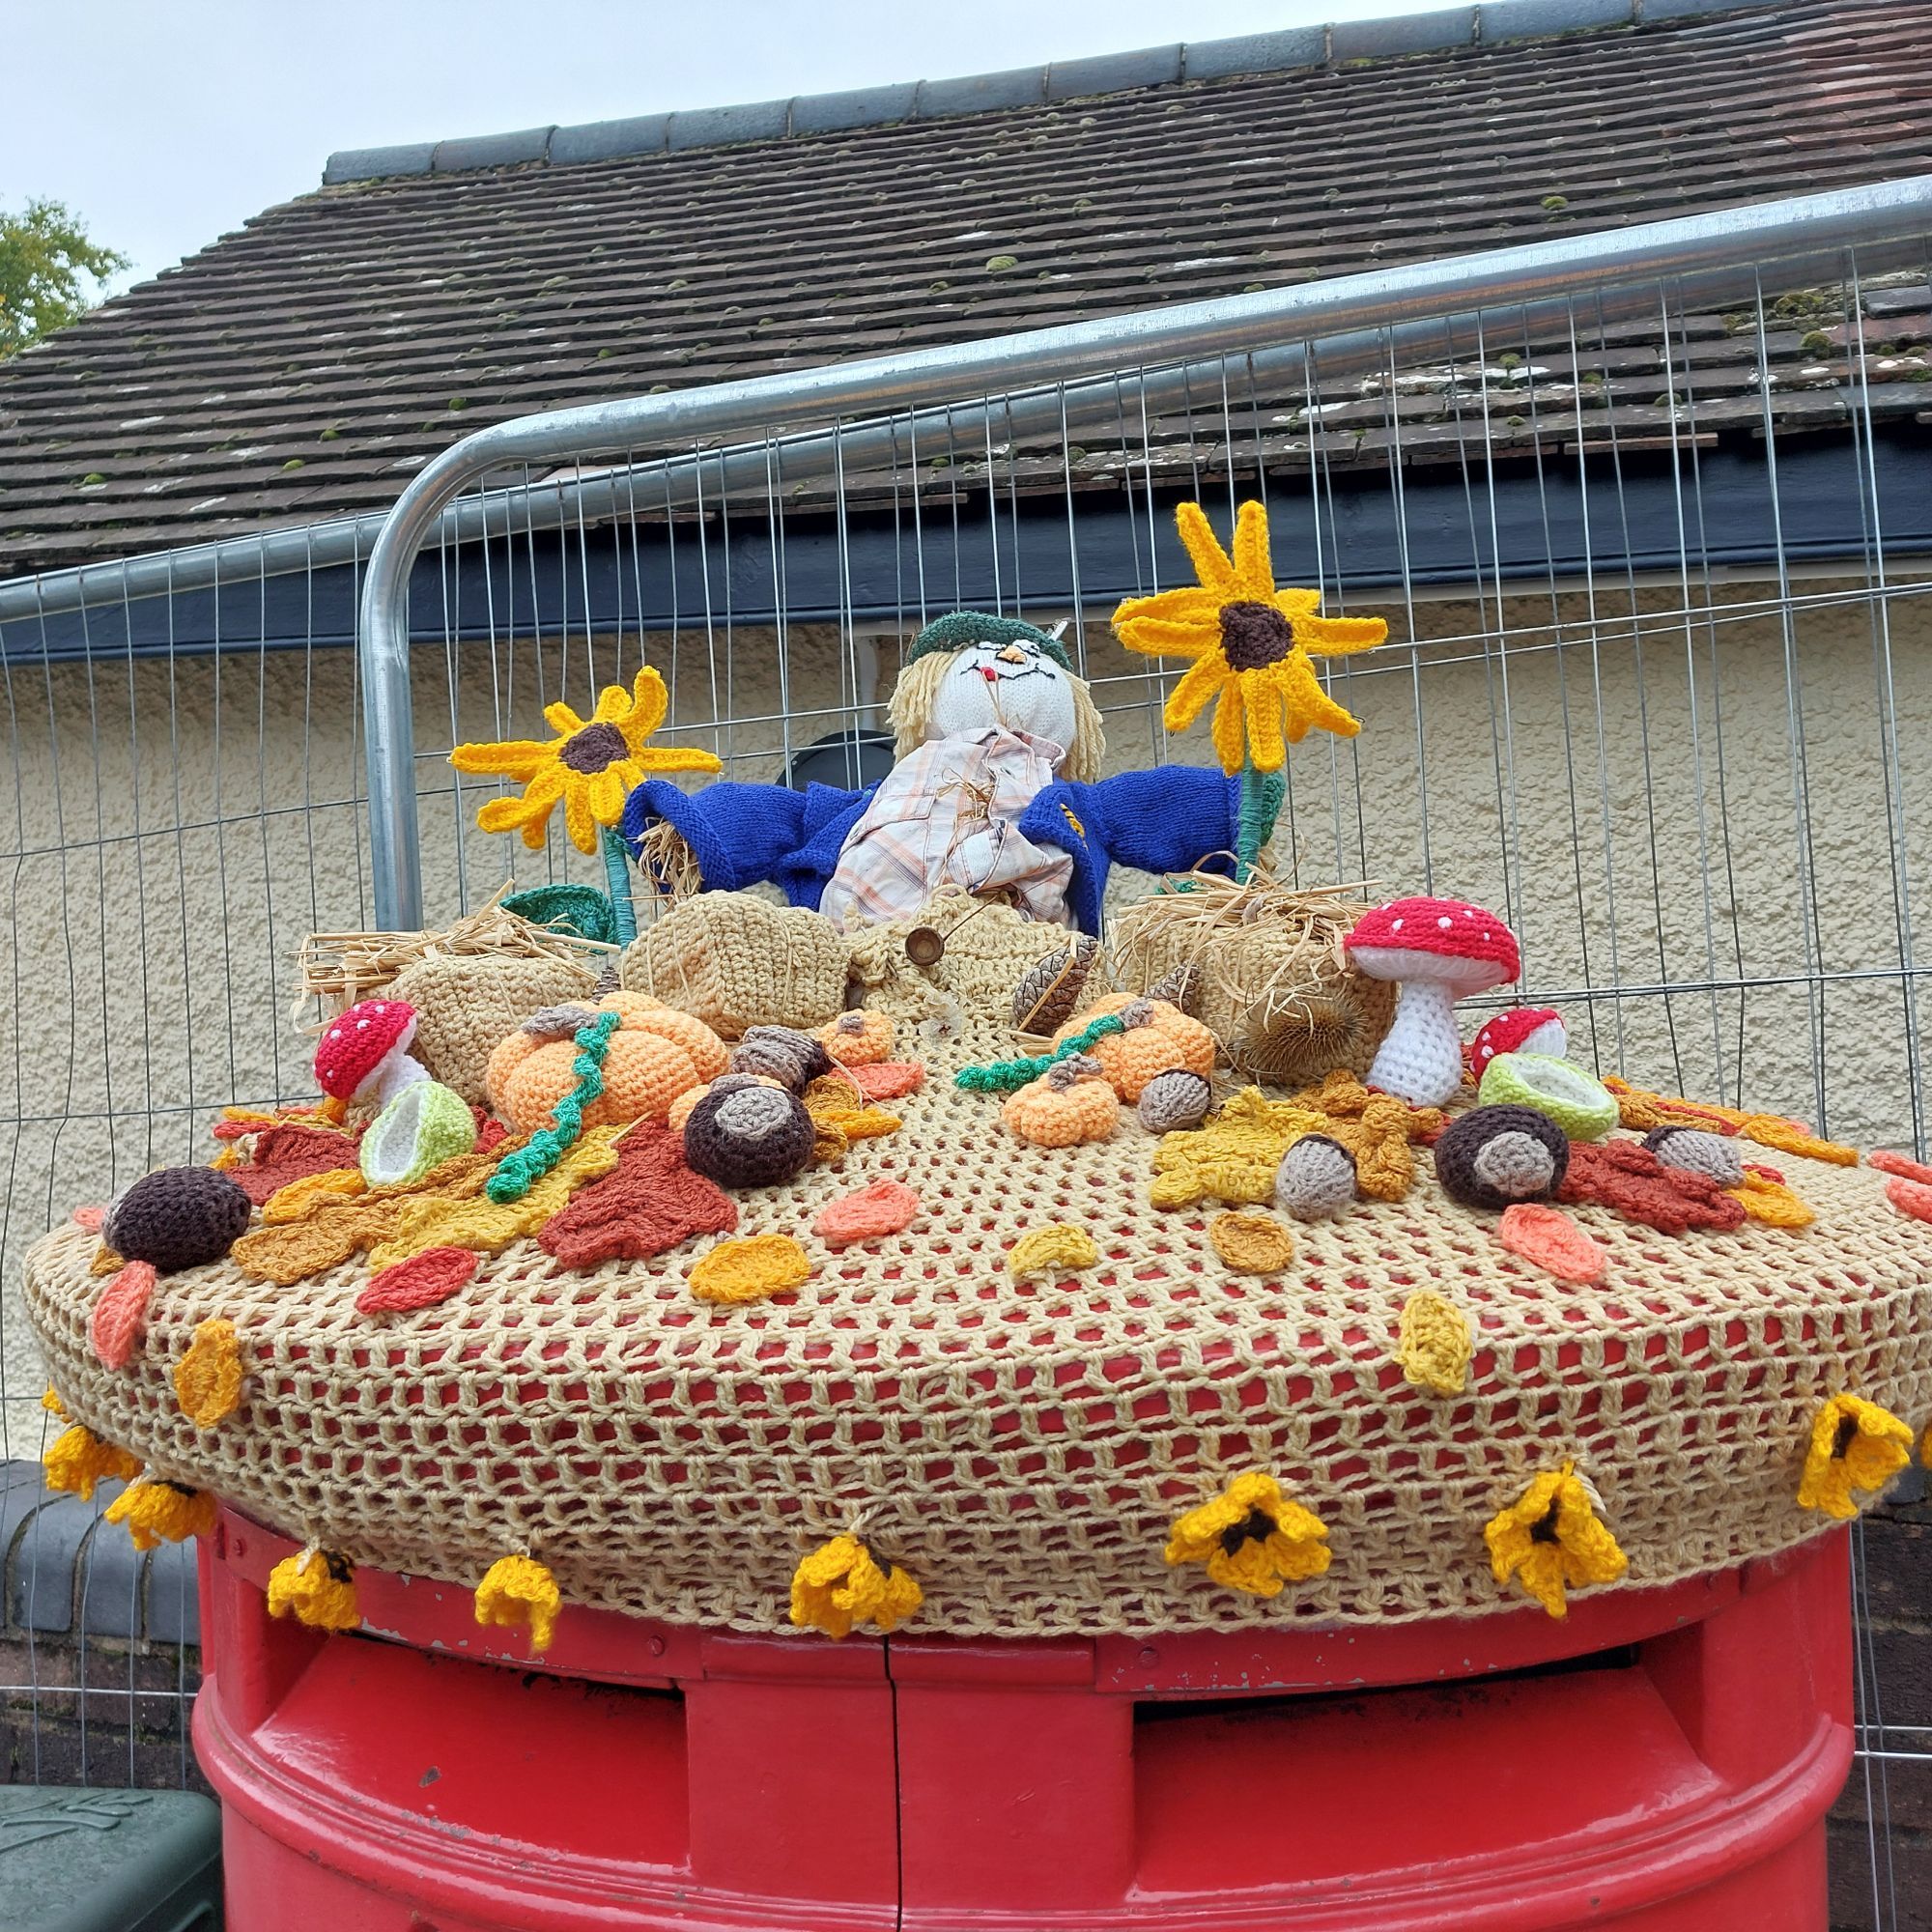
(1659, 687)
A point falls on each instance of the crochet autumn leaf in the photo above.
(1250, 642)
(590, 766)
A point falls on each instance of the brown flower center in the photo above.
(1258, 1528)
(590, 750)
(1254, 635)
(1544, 1528)
(1847, 1434)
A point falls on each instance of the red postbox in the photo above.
(1661, 1760)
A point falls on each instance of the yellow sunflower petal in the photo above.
(562, 720)
(679, 758)
(1184, 601)
(512, 814)
(1262, 692)
(1292, 603)
(606, 797)
(577, 818)
(649, 702)
(1252, 566)
(1337, 636)
(1307, 704)
(1168, 637)
(1211, 561)
(614, 706)
(1230, 745)
(1189, 697)
(512, 758)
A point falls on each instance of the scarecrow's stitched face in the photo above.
(1016, 686)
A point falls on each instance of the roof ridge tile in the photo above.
(1348, 43)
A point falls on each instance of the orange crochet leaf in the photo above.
(651, 1201)
(1555, 1244)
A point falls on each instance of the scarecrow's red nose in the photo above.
(990, 673)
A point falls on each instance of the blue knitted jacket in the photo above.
(1163, 820)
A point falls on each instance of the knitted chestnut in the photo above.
(1493, 1155)
(1317, 1179)
(177, 1217)
(1176, 1100)
(745, 1133)
(1695, 1151)
(785, 1053)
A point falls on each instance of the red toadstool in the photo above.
(1520, 1030)
(363, 1052)
(1438, 951)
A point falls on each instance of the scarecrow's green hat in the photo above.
(972, 627)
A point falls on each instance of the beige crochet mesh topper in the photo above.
(1022, 1446)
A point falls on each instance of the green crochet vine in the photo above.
(518, 1172)
(1008, 1077)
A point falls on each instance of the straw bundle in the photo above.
(1264, 969)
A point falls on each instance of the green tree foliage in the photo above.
(46, 261)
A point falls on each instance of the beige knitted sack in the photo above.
(988, 950)
(466, 1002)
(737, 961)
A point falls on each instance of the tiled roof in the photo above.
(303, 368)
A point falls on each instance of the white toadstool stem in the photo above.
(397, 1071)
(1420, 1061)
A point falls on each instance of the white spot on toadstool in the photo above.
(1445, 923)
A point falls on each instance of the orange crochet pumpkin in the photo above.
(656, 1053)
(858, 1039)
(1158, 1039)
(1071, 1103)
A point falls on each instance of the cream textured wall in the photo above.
(1628, 796)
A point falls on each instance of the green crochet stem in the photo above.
(518, 1172)
(1008, 1077)
(617, 876)
(1262, 796)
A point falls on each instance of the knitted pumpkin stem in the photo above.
(617, 876)
(1262, 795)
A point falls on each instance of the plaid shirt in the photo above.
(949, 814)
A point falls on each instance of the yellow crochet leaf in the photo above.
(749, 1269)
(208, 1378)
(1433, 1344)
(1235, 1158)
(1063, 1247)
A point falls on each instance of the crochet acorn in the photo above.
(1492, 1156)
(746, 1133)
(1692, 1150)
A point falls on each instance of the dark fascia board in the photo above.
(1348, 43)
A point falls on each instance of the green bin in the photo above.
(81, 1861)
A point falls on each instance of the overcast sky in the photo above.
(167, 125)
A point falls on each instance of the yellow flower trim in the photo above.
(749, 1269)
(592, 764)
(841, 1585)
(208, 1378)
(317, 1588)
(1433, 1344)
(158, 1511)
(78, 1459)
(1251, 645)
(1251, 1537)
(1063, 1247)
(1551, 1540)
(518, 1591)
(52, 1403)
(1855, 1445)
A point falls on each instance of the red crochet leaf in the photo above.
(291, 1153)
(648, 1203)
(1628, 1177)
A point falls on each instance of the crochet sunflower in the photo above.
(590, 766)
(1252, 646)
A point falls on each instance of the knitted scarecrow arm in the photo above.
(745, 835)
(1169, 819)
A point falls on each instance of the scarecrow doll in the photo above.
(996, 790)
